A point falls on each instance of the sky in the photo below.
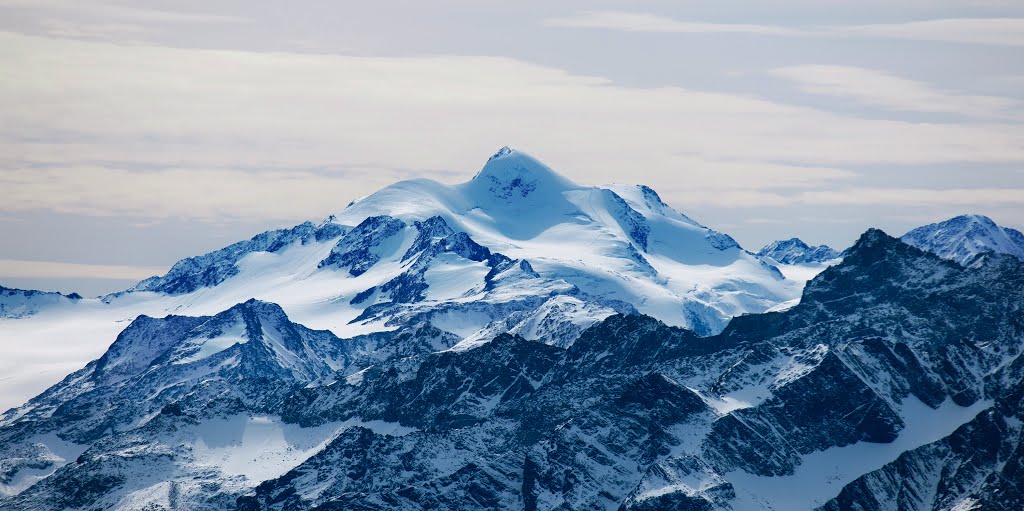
(134, 134)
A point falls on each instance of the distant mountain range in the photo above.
(795, 251)
(966, 238)
(523, 342)
(19, 303)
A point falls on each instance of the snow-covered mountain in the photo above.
(896, 382)
(798, 261)
(519, 341)
(964, 238)
(517, 248)
(21, 303)
(795, 251)
(516, 231)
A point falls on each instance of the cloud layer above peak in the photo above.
(988, 31)
(82, 118)
(788, 117)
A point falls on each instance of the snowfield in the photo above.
(522, 342)
(604, 249)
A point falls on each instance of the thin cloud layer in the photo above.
(991, 31)
(646, 22)
(202, 124)
(106, 129)
(880, 89)
(10, 268)
(213, 195)
(988, 31)
(916, 196)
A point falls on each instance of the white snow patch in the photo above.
(785, 306)
(469, 343)
(262, 448)
(461, 323)
(451, 277)
(747, 397)
(156, 496)
(822, 475)
(799, 365)
(967, 504)
(806, 271)
(53, 449)
(206, 347)
(356, 378)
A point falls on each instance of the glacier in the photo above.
(517, 240)
(519, 341)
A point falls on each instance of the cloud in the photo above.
(113, 11)
(988, 31)
(105, 129)
(958, 197)
(991, 31)
(123, 32)
(646, 22)
(224, 195)
(881, 89)
(213, 195)
(14, 268)
(749, 197)
(733, 183)
(99, 20)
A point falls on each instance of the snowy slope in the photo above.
(22, 303)
(223, 372)
(964, 238)
(798, 261)
(620, 243)
(464, 258)
(897, 378)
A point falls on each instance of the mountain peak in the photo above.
(259, 307)
(791, 242)
(795, 251)
(963, 237)
(979, 218)
(973, 221)
(510, 173)
(504, 151)
(873, 246)
(873, 237)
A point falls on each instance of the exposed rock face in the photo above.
(355, 251)
(979, 466)
(888, 347)
(215, 267)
